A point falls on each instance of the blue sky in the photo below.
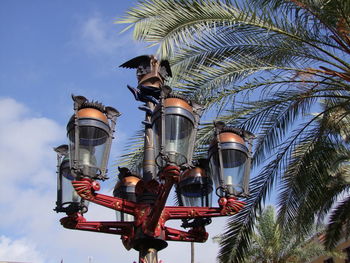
(49, 50)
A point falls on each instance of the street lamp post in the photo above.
(171, 123)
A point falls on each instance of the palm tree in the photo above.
(273, 244)
(280, 69)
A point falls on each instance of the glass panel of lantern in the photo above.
(69, 195)
(174, 139)
(90, 137)
(195, 188)
(229, 162)
(67, 198)
(125, 189)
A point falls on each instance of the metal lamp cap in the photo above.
(178, 102)
(92, 113)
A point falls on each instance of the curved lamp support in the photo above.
(150, 219)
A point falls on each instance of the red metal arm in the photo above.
(193, 235)
(228, 206)
(170, 174)
(178, 212)
(151, 218)
(78, 222)
(86, 189)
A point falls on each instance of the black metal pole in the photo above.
(146, 254)
(192, 252)
(149, 164)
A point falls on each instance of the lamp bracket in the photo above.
(150, 218)
(77, 221)
(197, 222)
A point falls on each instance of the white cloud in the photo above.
(19, 250)
(94, 34)
(100, 36)
(24, 140)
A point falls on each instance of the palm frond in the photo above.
(307, 188)
(312, 181)
(339, 221)
(133, 156)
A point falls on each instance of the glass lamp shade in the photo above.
(125, 189)
(90, 138)
(68, 201)
(174, 131)
(195, 188)
(228, 157)
(69, 195)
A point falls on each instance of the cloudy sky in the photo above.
(49, 50)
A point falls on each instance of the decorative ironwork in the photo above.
(144, 197)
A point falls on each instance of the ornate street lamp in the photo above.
(175, 121)
(90, 132)
(171, 123)
(230, 160)
(68, 201)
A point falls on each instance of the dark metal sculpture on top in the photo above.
(150, 75)
(170, 132)
(149, 70)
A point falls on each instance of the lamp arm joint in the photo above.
(86, 189)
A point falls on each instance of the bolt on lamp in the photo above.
(90, 133)
(230, 160)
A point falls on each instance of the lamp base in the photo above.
(149, 255)
(149, 243)
(148, 249)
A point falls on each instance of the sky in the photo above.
(48, 51)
